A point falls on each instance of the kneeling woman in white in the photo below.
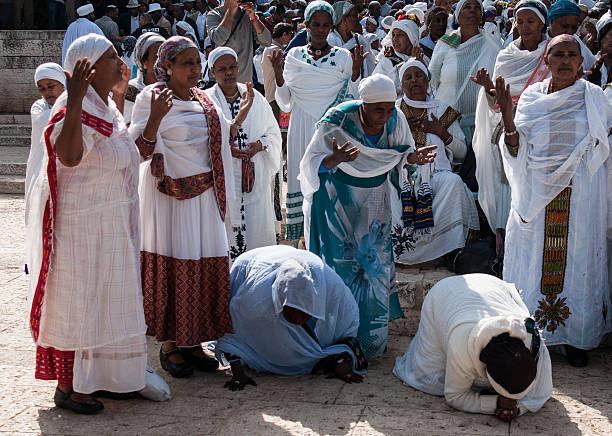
(257, 144)
(475, 335)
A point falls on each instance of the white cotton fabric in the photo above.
(563, 142)
(410, 28)
(516, 66)
(259, 125)
(296, 286)
(335, 40)
(85, 10)
(218, 52)
(377, 89)
(95, 304)
(50, 70)
(90, 46)
(460, 316)
(76, 29)
(197, 230)
(39, 114)
(413, 62)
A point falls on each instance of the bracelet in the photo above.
(511, 133)
(235, 125)
(449, 140)
(147, 140)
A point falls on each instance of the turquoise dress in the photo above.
(350, 228)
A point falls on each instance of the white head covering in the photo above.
(217, 53)
(412, 62)
(145, 41)
(85, 10)
(602, 23)
(377, 88)
(91, 46)
(372, 20)
(460, 6)
(371, 37)
(50, 70)
(419, 14)
(502, 391)
(532, 9)
(421, 5)
(184, 25)
(387, 22)
(410, 28)
(295, 287)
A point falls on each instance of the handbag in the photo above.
(476, 257)
(248, 175)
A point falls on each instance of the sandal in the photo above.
(201, 363)
(176, 370)
(63, 401)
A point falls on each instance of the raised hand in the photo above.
(122, 86)
(417, 52)
(358, 56)
(389, 51)
(483, 79)
(345, 153)
(246, 101)
(79, 81)
(504, 98)
(161, 103)
(423, 155)
(278, 62)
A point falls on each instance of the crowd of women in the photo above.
(163, 186)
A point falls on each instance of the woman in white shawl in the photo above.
(556, 159)
(453, 210)
(345, 176)
(256, 145)
(145, 56)
(291, 314)
(343, 35)
(86, 306)
(520, 64)
(457, 56)
(477, 345)
(405, 38)
(186, 182)
(315, 78)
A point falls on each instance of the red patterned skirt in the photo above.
(186, 300)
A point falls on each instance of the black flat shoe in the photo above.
(63, 401)
(201, 363)
(576, 357)
(115, 395)
(176, 370)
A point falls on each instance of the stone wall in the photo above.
(21, 51)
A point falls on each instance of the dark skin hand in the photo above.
(507, 409)
(239, 378)
(344, 369)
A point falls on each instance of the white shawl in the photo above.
(335, 40)
(547, 160)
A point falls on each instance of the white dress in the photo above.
(91, 294)
(254, 211)
(460, 315)
(311, 87)
(39, 113)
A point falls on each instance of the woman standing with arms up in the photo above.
(186, 182)
(315, 77)
(556, 158)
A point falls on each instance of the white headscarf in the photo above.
(460, 6)
(377, 88)
(413, 62)
(145, 41)
(410, 28)
(295, 287)
(184, 25)
(217, 53)
(50, 70)
(91, 46)
(431, 102)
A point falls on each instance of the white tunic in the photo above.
(80, 27)
(460, 315)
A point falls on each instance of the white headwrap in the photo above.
(460, 6)
(602, 23)
(377, 88)
(413, 62)
(430, 102)
(184, 25)
(295, 287)
(421, 5)
(419, 14)
(502, 391)
(387, 22)
(85, 10)
(91, 46)
(410, 28)
(217, 53)
(534, 10)
(372, 20)
(145, 41)
(50, 70)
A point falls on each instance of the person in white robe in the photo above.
(452, 209)
(82, 26)
(404, 36)
(556, 157)
(478, 347)
(520, 64)
(145, 56)
(257, 144)
(87, 320)
(315, 77)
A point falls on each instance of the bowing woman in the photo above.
(521, 64)
(315, 77)
(187, 180)
(86, 304)
(457, 56)
(556, 158)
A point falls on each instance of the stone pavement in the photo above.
(302, 405)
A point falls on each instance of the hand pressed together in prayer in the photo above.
(507, 409)
(345, 153)
(278, 62)
(484, 79)
(423, 155)
(358, 56)
(344, 369)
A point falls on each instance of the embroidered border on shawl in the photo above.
(453, 39)
(186, 300)
(553, 311)
(52, 364)
(145, 148)
(182, 188)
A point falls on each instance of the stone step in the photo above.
(15, 119)
(15, 141)
(13, 160)
(13, 129)
(12, 184)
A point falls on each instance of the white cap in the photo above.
(85, 10)
(154, 7)
(377, 88)
(132, 4)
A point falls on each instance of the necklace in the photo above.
(185, 99)
(318, 52)
(420, 117)
(233, 97)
